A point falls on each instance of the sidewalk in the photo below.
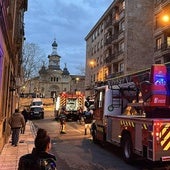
(10, 155)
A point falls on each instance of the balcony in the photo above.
(110, 58)
(165, 47)
(108, 24)
(111, 38)
(108, 41)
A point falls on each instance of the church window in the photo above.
(51, 78)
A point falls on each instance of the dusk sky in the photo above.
(69, 21)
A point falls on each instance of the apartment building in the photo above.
(126, 39)
(162, 31)
(11, 40)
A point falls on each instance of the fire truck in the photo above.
(133, 113)
(71, 102)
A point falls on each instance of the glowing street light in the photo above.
(92, 63)
(166, 18)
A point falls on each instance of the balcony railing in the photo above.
(110, 58)
(111, 38)
(165, 46)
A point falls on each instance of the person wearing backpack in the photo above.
(40, 158)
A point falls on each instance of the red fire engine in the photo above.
(72, 102)
(133, 112)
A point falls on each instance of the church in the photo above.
(53, 80)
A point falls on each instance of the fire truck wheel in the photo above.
(127, 151)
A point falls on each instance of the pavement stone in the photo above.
(10, 155)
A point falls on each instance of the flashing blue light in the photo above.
(160, 80)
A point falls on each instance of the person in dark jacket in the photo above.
(16, 122)
(40, 157)
(62, 118)
(25, 114)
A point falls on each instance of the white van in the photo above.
(37, 102)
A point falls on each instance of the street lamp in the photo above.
(166, 18)
(77, 85)
(92, 63)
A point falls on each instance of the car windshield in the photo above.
(37, 103)
(36, 109)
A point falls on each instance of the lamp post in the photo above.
(77, 85)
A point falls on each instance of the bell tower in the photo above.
(54, 58)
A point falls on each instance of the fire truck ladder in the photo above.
(116, 98)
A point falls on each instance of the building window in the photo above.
(122, 26)
(158, 43)
(102, 43)
(121, 46)
(102, 27)
(168, 41)
(158, 62)
(121, 67)
(122, 6)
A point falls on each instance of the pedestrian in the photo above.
(87, 102)
(40, 158)
(62, 118)
(16, 122)
(25, 114)
(88, 118)
(80, 115)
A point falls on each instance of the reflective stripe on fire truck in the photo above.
(144, 126)
(63, 101)
(80, 101)
(165, 137)
(127, 123)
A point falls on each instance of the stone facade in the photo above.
(11, 42)
(162, 31)
(123, 40)
(54, 80)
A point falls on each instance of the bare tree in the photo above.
(32, 60)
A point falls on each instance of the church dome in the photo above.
(54, 44)
(43, 70)
(65, 71)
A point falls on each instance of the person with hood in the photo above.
(40, 158)
(16, 122)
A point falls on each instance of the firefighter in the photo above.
(87, 102)
(62, 118)
(88, 118)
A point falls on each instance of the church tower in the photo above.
(54, 58)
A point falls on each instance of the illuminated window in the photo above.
(158, 43)
(168, 41)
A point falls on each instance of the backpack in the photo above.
(29, 162)
(88, 117)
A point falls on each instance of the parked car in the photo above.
(37, 102)
(36, 112)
